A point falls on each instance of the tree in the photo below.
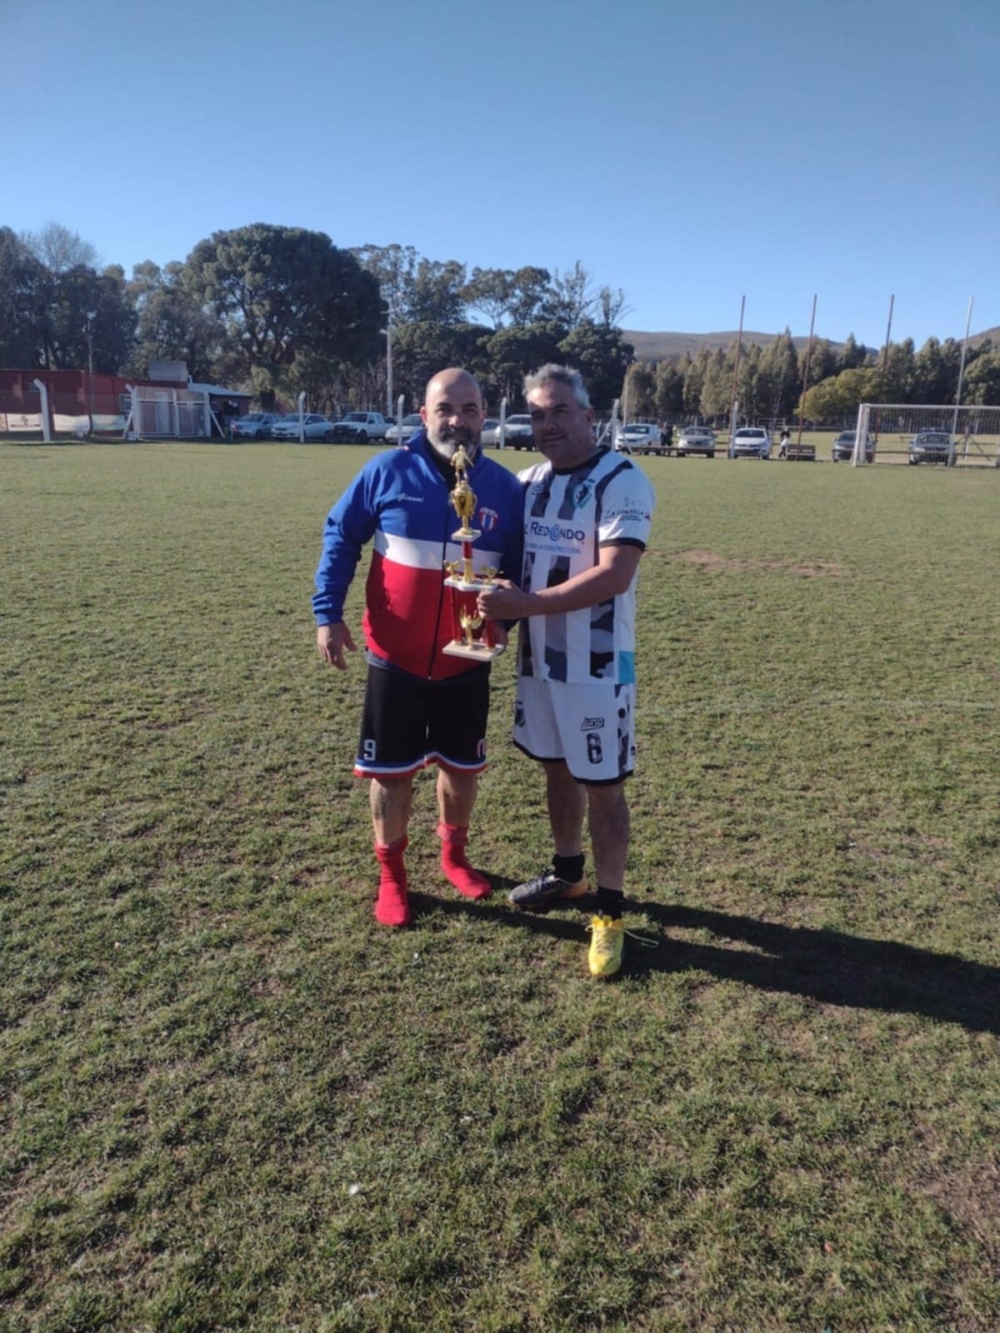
(436, 295)
(837, 397)
(173, 325)
(982, 378)
(514, 351)
(282, 292)
(88, 320)
(602, 357)
(669, 389)
(421, 350)
(640, 390)
(59, 249)
(779, 378)
(490, 292)
(22, 278)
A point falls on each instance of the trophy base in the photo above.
(474, 585)
(473, 652)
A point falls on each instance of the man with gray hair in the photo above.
(587, 516)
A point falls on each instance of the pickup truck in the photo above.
(360, 427)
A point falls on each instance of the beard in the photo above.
(444, 440)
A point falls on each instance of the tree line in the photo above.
(281, 310)
(770, 384)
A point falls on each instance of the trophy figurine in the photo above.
(474, 636)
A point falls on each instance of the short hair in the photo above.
(561, 375)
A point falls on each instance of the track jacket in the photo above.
(401, 501)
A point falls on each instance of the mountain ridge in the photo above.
(667, 346)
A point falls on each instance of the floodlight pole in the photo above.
(90, 369)
(302, 425)
(805, 377)
(502, 432)
(736, 373)
(958, 392)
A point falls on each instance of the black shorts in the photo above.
(409, 723)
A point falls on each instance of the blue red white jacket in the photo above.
(401, 502)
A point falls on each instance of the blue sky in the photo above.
(691, 154)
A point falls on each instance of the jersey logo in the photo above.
(592, 724)
(582, 494)
(488, 519)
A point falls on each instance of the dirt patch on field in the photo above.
(811, 569)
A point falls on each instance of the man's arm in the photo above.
(615, 569)
(349, 525)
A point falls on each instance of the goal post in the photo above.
(162, 413)
(973, 431)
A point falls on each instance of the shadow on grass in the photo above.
(822, 965)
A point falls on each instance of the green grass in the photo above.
(228, 1100)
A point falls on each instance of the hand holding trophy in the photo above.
(475, 637)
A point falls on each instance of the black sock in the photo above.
(610, 902)
(569, 868)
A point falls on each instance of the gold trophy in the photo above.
(475, 636)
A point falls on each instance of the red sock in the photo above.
(457, 871)
(392, 907)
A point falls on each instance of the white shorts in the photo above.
(589, 727)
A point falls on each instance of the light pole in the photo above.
(388, 365)
(90, 369)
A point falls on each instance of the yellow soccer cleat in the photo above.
(607, 941)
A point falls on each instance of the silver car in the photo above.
(931, 446)
(696, 440)
(518, 433)
(491, 432)
(408, 427)
(750, 442)
(314, 427)
(254, 426)
(639, 437)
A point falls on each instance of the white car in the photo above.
(491, 432)
(360, 427)
(639, 437)
(408, 427)
(314, 427)
(750, 442)
(518, 433)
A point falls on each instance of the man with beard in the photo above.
(421, 706)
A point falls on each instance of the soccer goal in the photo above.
(155, 413)
(968, 435)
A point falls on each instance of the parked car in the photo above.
(399, 434)
(518, 433)
(750, 442)
(360, 427)
(491, 432)
(931, 446)
(254, 426)
(696, 440)
(639, 437)
(314, 427)
(842, 450)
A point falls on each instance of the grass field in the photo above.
(229, 1101)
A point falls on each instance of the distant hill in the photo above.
(665, 346)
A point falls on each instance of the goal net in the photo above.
(970, 435)
(167, 414)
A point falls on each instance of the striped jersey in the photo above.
(568, 516)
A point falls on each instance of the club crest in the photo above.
(581, 494)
